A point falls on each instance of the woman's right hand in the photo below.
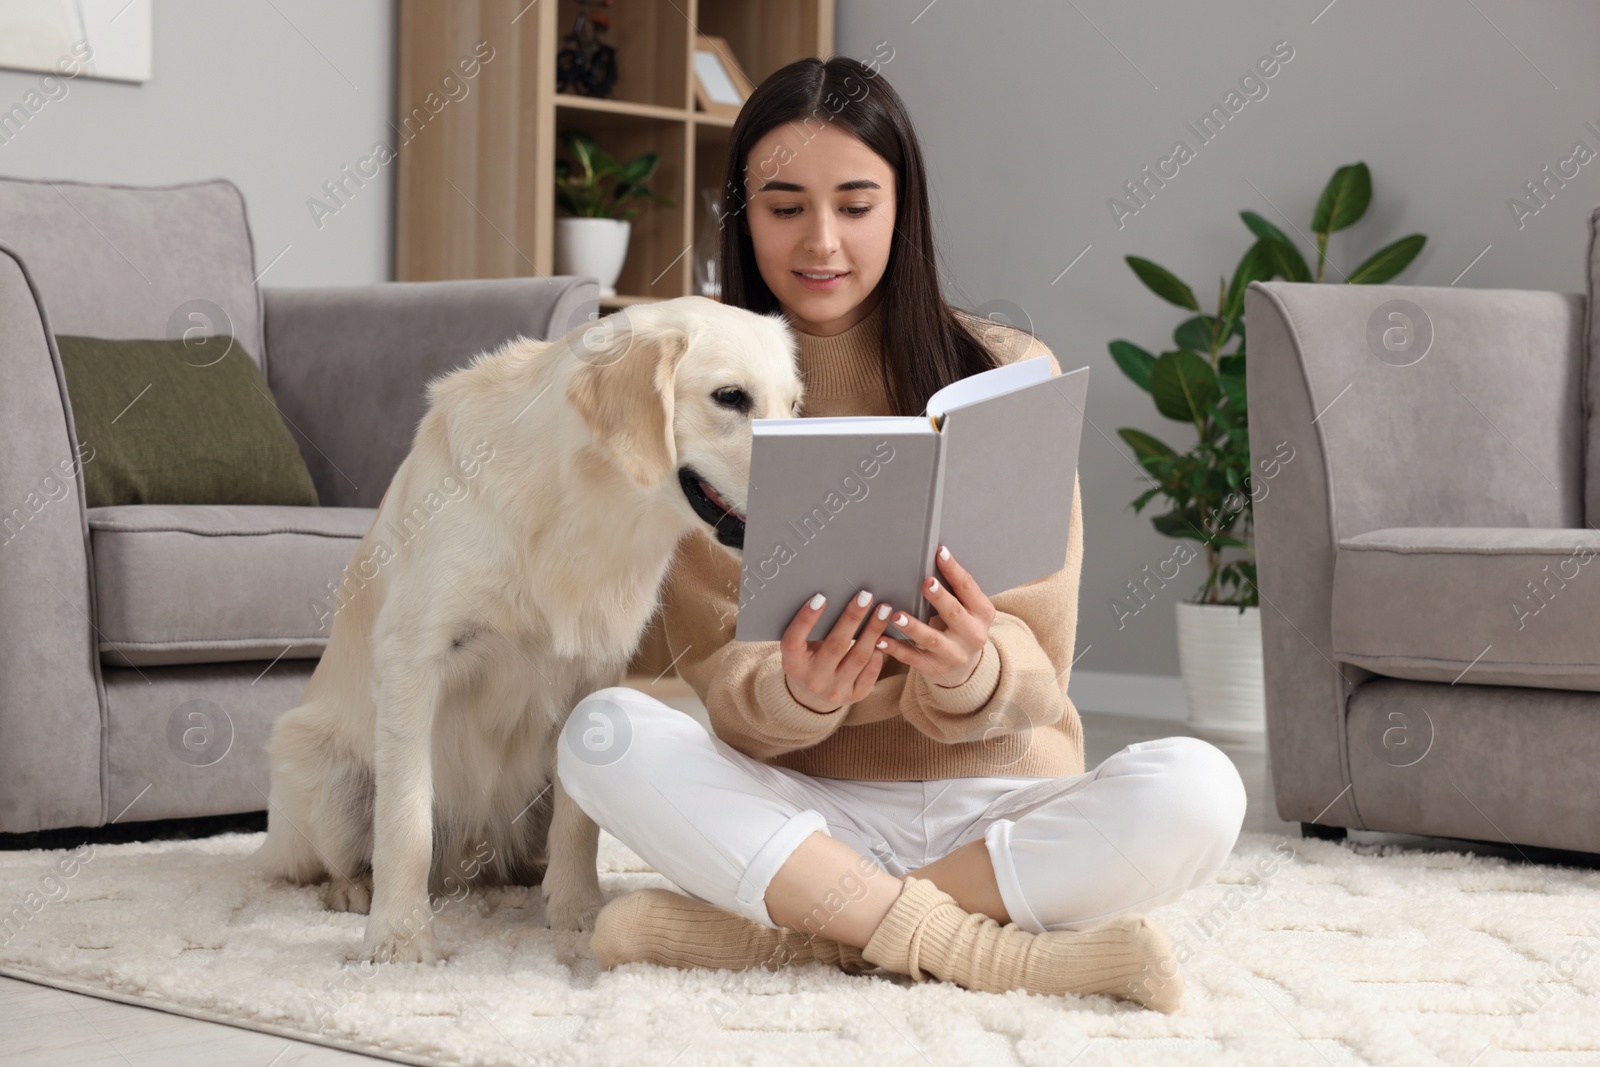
(828, 674)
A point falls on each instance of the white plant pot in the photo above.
(594, 247)
(1219, 653)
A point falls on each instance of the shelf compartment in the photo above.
(652, 43)
(657, 265)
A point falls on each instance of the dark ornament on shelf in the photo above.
(587, 65)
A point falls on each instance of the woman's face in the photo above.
(820, 207)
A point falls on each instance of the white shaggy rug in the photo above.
(1301, 952)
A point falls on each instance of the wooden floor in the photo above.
(44, 1026)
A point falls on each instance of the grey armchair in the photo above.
(1430, 600)
(147, 650)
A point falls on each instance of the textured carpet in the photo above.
(1301, 952)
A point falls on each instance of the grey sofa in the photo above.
(147, 650)
(1428, 567)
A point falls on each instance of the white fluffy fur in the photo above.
(517, 598)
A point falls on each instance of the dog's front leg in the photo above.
(399, 925)
(571, 885)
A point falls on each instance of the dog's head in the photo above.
(669, 388)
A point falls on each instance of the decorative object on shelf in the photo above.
(720, 84)
(708, 247)
(1211, 489)
(599, 196)
(587, 65)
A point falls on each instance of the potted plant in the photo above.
(1210, 489)
(599, 196)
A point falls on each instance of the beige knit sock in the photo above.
(669, 928)
(926, 930)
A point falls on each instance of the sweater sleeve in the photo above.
(1021, 680)
(741, 683)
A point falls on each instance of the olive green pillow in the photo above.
(171, 423)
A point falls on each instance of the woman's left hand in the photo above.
(948, 647)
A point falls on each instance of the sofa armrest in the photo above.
(1305, 689)
(1486, 429)
(51, 753)
(347, 366)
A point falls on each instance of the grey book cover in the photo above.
(838, 505)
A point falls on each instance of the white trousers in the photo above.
(1150, 822)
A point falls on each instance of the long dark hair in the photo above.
(924, 346)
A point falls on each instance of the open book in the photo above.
(838, 505)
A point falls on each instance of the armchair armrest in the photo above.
(1486, 429)
(347, 365)
(51, 753)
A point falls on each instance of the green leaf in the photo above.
(1179, 523)
(1286, 261)
(1388, 261)
(1223, 416)
(1232, 366)
(638, 171)
(581, 145)
(1344, 199)
(1143, 444)
(1183, 385)
(1163, 283)
(1258, 263)
(1262, 228)
(1135, 362)
(1196, 333)
(1145, 498)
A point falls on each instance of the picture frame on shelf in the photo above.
(720, 85)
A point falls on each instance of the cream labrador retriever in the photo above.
(511, 570)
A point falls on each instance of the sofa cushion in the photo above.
(173, 424)
(209, 583)
(1480, 605)
(137, 261)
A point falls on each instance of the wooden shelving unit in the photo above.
(475, 191)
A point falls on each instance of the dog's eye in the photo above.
(737, 399)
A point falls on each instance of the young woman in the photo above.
(920, 805)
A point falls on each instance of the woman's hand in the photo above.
(948, 647)
(828, 674)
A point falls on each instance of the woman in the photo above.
(920, 805)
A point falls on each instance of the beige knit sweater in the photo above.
(1011, 717)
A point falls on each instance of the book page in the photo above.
(1005, 499)
(996, 381)
(835, 424)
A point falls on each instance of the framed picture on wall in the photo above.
(720, 84)
(77, 38)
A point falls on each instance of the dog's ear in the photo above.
(623, 389)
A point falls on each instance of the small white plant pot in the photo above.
(593, 247)
(1219, 653)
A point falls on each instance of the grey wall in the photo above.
(276, 96)
(1033, 113)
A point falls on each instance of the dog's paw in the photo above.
(568, 912)
(352, 896)
(397, 947)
